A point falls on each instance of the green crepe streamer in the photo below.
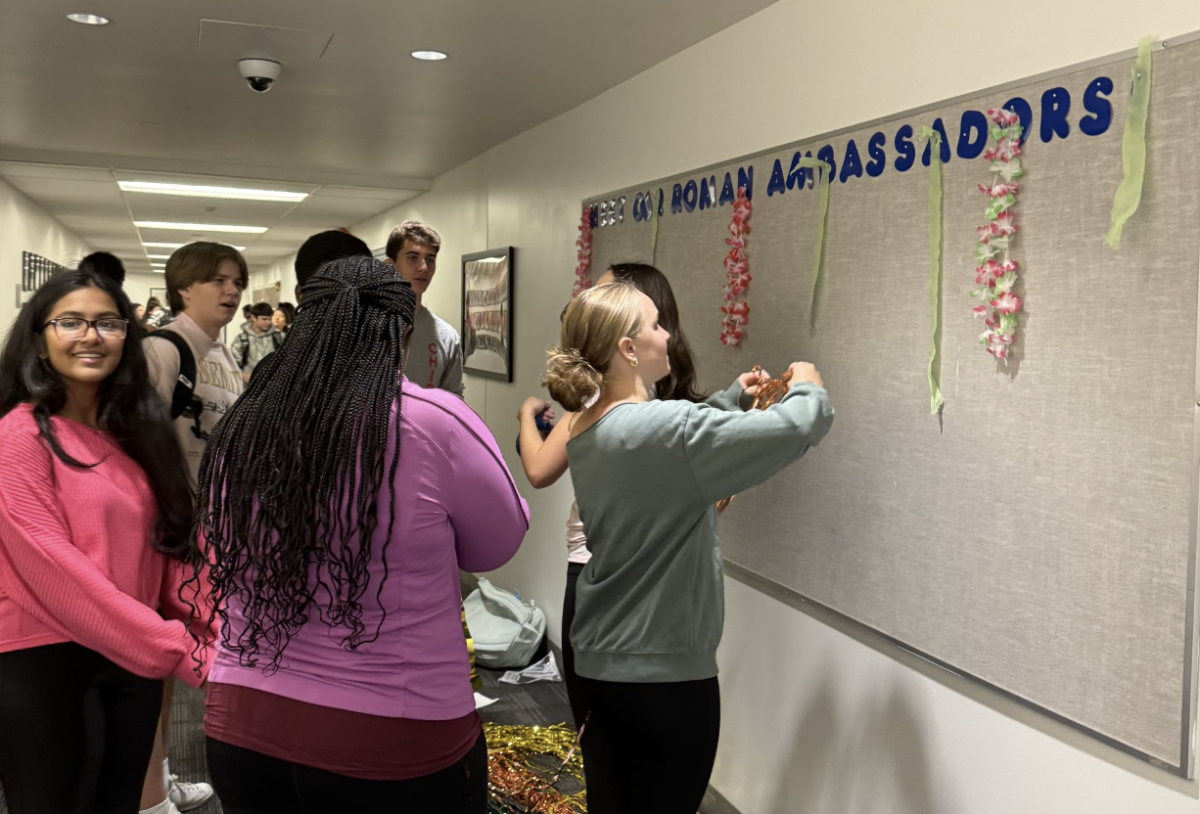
(1133, 147)
(935, 266)
(654, 231)
(822, 208)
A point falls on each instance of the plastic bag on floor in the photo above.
(544, 670)
(504, 631)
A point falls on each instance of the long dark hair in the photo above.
(290, 477)
(130, 409)
(680, 383)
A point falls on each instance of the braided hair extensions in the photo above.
(291, 475)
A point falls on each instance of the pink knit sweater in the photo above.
(76, 559)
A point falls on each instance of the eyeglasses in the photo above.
(72, 328)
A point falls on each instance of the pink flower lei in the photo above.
(995, 272)
(737, 273)
(584, 254)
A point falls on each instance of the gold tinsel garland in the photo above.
(526, 766)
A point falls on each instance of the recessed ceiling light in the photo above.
(431, 56)
(200, 227)
(153, 245)
(202, 191)
(159, 256)
(88, 19)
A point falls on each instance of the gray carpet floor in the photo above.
(538, 704)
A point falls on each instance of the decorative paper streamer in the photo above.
(996, 272)
(822, 208)
(525, 766)
(1133, 147)
(583, 245)
(654, 230)
(737, 273)
(935, 266)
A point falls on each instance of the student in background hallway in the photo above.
(156, 316)
(205, 282)
(283, 317)
(436, 357)
(315, 252)
(258, 342)
(247, 318)
(106, 265)
(647, 475)
(95, 511)
(323, 248)
(342, 685)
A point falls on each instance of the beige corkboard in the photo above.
(1037, 538)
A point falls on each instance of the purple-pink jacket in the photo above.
(457, 506)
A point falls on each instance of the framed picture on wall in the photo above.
(160, 294)
(487, 291)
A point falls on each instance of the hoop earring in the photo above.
(633, 362)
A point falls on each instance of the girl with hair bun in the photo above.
(545, 460)
(544, 453)
(647, 476)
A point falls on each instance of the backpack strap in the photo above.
(185, 385)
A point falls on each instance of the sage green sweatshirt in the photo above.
(650, 604)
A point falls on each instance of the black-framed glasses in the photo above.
(70, 329)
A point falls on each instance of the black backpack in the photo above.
(184, 401)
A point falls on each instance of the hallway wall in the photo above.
(25, 227)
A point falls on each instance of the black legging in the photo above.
(250, 782)
(650, 747)
(76, 731)
(574, 688)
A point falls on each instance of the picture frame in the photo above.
(487, 313)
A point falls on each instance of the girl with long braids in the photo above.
(647, 476)
(95, 520)
(341, 502)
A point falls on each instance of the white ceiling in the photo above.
(88, 201)
(354, 120)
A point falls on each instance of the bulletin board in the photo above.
(1038, 533)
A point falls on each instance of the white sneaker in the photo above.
(165, 807)
(187, 796)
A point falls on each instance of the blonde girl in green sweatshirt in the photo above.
(647, 476)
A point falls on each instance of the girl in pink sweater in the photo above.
(95, 513)
(342, 501)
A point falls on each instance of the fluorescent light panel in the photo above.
(153, 245)
(201, 191)
(228, 228)
(88, 19)
(429, 56)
